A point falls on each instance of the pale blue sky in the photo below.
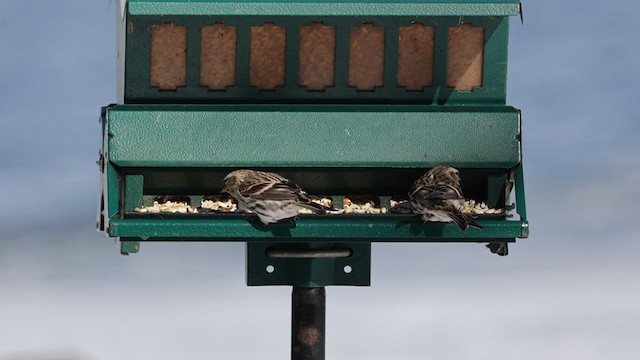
(568, 292)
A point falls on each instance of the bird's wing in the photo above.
(273, 189)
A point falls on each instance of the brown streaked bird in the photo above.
(437, 196)
(269, 195)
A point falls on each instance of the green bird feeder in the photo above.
(352, 100)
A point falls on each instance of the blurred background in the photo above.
(570, 291)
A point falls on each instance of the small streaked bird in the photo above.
(269, 195)
(437, 196)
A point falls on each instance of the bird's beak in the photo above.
(224, 189)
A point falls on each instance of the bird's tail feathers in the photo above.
(317, 208)
(464, 221)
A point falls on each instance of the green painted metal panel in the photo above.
(243, 227)
(491, 93)
(134, 185)
(307, 136)
(308, 272)
(326, 7)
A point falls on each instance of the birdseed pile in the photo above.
(209, 204)
(363, 206)
(168, 207)
(473, 207)
(220, 205)
(355, 206)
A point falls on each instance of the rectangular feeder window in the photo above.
(218, 56)
(317, 56)
(366, 57)
(168, 56)
(267, 56)
(415, 56)
(465, 57)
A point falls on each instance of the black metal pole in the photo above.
(307, 323)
